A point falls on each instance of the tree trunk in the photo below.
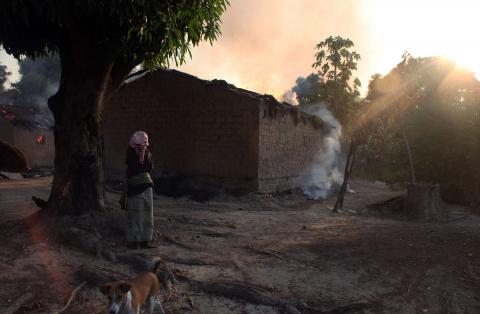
(423, 202)
(409, 153)
(77, 108)
(91, 72)
(78, 181)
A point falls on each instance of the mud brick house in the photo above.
(211, 130)
(29, 131)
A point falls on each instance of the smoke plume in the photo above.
(265, 45)
(324, 172)
(39, 80)
(289, 96)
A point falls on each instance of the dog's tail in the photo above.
(157, 266)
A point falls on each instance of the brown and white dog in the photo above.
(126, 297)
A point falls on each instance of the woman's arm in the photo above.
(150, 161)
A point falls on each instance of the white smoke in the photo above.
(289, 96)
(40, 98)
(324, 172)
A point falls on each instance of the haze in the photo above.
(265, 44)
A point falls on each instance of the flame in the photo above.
(9, 116)
(40, 139)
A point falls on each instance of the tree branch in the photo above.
(72, 295)
(119, 73)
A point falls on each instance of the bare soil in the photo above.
(283, 246)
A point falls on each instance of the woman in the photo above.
(139, 192)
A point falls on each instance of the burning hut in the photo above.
(30, 131)
(211, 130)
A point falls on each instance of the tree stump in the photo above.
(423, 202)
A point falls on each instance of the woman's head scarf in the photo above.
(139, 140)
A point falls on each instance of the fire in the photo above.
(40, 139)
(7, 115)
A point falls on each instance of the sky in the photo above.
(266, 44)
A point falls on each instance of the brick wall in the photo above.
(37, 155)
(211, 130)
(6, 131)
(288, 142)
(196, 127)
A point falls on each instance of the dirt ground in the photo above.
(285, 246)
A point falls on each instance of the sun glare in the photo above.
(425, 28)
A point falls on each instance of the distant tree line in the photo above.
(436, 104)
(420, 122)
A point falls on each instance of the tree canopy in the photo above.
(133, 30)
(335, 61)
(439, 104)
(99, 43)
(333, 83)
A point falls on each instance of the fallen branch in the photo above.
(190, 261)
(265, 252)
(182, 245)
(17, 304)
(235, 290)
(92, 276)
(394, 203)
(102, 309)
(116, 273)
(252, 295)
(137, 262)
(354, 307)
(72, 295)
(215, 234)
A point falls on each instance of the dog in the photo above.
(126, 297)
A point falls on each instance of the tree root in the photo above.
(137, 262)
(18, 303)
(394, 204)
(95, 244)
(182, 245)
(215, 234)
(265, 252)
(41, 203)
(72, 295)
(352, 308)
(234, 290)
(92, 277)
(190, 261)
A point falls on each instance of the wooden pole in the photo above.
(346, 175)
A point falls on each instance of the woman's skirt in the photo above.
(140, 217)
